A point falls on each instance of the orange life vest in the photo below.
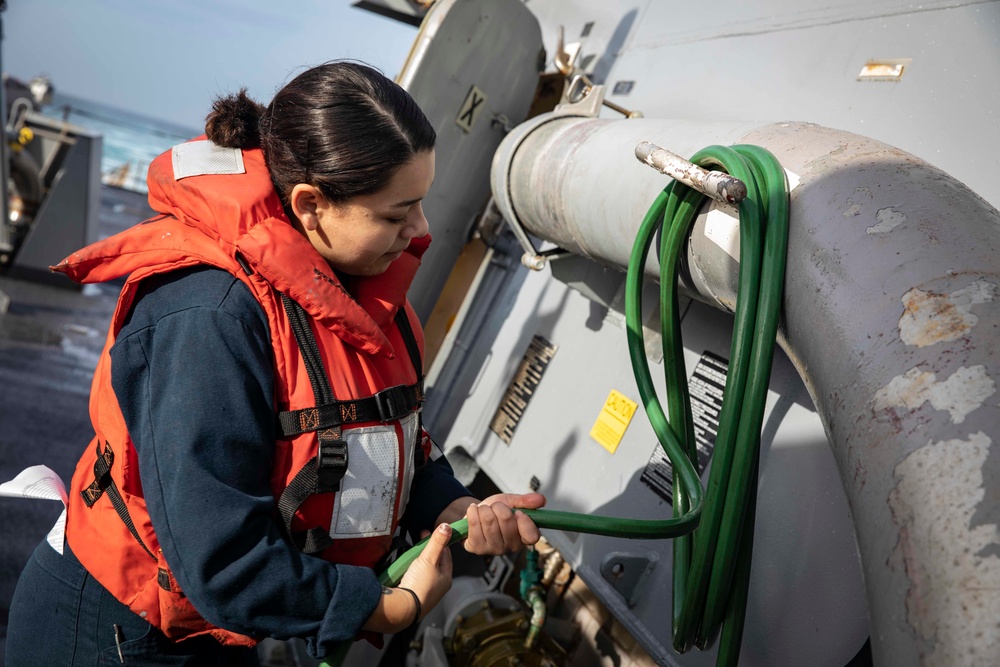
(235, 221)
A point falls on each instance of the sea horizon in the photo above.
(130, 140)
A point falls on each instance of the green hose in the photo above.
(711, 564)
(729, 493)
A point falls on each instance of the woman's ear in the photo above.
(305, 201)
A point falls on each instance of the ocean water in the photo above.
(130, 141)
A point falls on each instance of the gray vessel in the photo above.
(875, 529)
(879, 479)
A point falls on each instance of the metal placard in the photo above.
(706, 388)
(522, 387)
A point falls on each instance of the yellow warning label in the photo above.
(609, 429)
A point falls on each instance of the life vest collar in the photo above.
(212, 218)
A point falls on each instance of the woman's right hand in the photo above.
(429, 577)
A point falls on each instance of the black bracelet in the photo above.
(416, 600)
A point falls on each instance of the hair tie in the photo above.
(416, 600)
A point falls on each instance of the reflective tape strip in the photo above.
(411, 440)
(200, 158)
(365, 504)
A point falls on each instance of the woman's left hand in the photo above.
(496, 526)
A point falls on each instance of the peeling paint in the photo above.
(966, 390)
(952, 603)
(854, 202)
(888, 219)
(929, 317)
(718, 185)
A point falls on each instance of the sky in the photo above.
(168, 59)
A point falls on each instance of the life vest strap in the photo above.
(299, 320)
(321, 475)
(104, 484)
(325, 471)
(406, 331)
(385, 406)
(331, 461)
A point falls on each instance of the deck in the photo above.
(50, 340)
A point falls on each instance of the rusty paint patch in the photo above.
(888, 219)
(860, 197)
(952, 602)
(966, 390)
(929, 317)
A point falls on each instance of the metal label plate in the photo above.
(522, 387)
(706, 386)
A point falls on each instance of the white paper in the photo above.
(42, 483)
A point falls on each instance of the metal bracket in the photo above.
(627, 573)
(498, 572)
(489, 224)
(502, 122)
(562, 58)
(583, 98)
(538, 260)
(531, 258)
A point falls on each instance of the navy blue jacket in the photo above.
(205, 465)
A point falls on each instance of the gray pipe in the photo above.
(891, 316)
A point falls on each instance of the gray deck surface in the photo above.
(50, 340)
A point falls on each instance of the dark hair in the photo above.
(341, 126)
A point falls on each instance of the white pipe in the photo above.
(891, 315)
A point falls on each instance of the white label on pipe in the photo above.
(793, 180)
(722, 225)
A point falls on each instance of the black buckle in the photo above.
(331, 464)
(391, 403)
(102, 475)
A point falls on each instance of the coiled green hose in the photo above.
(714, 586)
(711, 571)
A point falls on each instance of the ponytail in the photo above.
(234, 121)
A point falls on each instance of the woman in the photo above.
(256, 410)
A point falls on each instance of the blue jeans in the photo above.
(61, 617)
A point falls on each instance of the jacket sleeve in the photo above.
(434, 488)
(192, 371)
